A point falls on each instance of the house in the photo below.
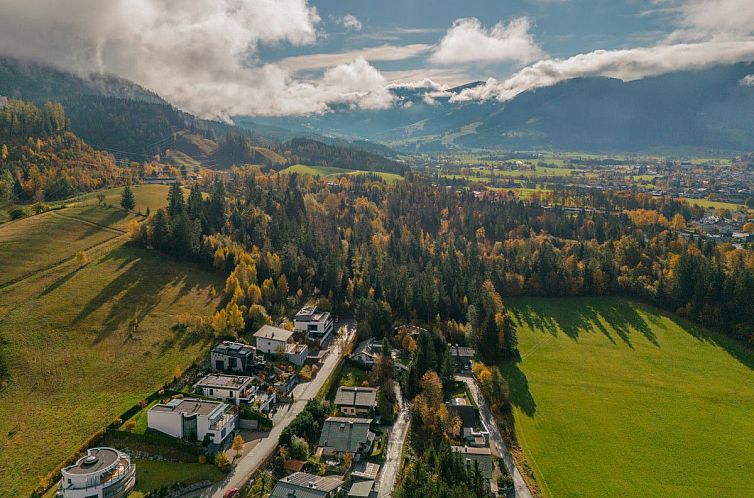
(193, 419)
(315, 324)
(366, 352)
(356, 401)
(102, 472)
(303, 485)
(346, 435)
(481, 455)
(475, 433)
(362, 489)
(285, 383)
(365, 471)
(296, 353)
(264, 400)
(463, 356)
(231, 356)
(272, 339)
(231, 388)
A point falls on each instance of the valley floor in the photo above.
(613, 398)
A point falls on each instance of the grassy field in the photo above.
(612, 398)
(152, 475)
(64, 331)
(326, 171)
(706, 203)
(147, 196)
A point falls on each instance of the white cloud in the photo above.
(201, 56)
(747, 80)
(629, 64)
(350, 22)
(467, 41)
(381, 53)
(711, 19)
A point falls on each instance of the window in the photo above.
(232, 362)
(211, 392)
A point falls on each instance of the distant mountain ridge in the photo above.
(706, 109)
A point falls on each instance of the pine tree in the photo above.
(176, 202)
(127, 200)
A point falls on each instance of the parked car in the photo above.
(231, 493)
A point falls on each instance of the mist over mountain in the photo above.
(708, 109)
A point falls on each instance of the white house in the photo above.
(272, 339)
(231, 388)
(317, 325)
(231, 356)
(367, 351)
(297, 353)
(193, 419)
(102, 472)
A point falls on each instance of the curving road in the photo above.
(496, 439)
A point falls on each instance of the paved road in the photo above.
(394, 452)
(496, 439)
(302, 393)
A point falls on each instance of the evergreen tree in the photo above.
(127, 200)
(175, 200)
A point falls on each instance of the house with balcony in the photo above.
(194, 420)
(342, 435)
(272, 340)
(101, 473)
(234, 357)
(356, 401)
(297, 353)
(304, 485)
(231, 388)
(314, 324)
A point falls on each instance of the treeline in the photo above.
(40, 160)
(437, 255)
(340, 156)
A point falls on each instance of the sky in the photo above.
(287, 57)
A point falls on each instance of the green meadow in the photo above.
(329, 171)
(614, 398)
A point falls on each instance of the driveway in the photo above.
(394, 452)
(496, 439)
(302, 393)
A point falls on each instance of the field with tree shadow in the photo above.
(614, 398)
(75, 360)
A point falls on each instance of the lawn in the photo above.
(152, 475)
(353, 377)
(327, 171)
(706, 203)
(613, 398)
(73, 365)
(146, 196)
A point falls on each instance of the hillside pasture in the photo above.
(75, 359)
(614, 398)
(146, 196)
(329, 171)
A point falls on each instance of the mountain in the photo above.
(708, 109)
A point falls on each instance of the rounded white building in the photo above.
(101, 473)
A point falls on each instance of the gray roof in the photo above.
(481, 455)
(356, 396)
(189, 406)
(345, 434)
(467, 413)
(361, 489)
(235, 349)
(275, 333)
(224, 381)
(304, 485)
(365, 470)
(369, 347)
(461, 352)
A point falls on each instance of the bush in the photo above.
(222, 462)
(130, 425)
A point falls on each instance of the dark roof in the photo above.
(304, 485)
(95, 460)
(461, 352)
(236, 349)
(467, 413)
(345, 434)
(481, 455)
(356, 396)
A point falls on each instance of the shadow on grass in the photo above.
(140, 286)
(518, 386)
(576, 316)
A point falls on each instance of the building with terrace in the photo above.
(316, 325)
(194, 420)
(101, 473)
(234, 357)
(231, 388)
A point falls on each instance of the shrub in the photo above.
(130, 425)
(202, 459)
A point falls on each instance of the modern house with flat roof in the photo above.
(193, 419)
(304, 485)
(235, 357)
(315, 324)
(471, 455)
(297, 353)
(356, 401)
(272, 339)
(346, 435)
(101, 473)
(231, 388)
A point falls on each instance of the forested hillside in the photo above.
(313, 152)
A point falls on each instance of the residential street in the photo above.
(302, 393)
(389, 472)
(496, 439)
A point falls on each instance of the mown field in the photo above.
(706, 203)
(613, 398)
(326, 171)
(75, 361)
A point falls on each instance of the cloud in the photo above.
(467, 41)
(629, 64)
(201, 56)
(381, 53)
(350, 22)
(747, 80)
(711, 19)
